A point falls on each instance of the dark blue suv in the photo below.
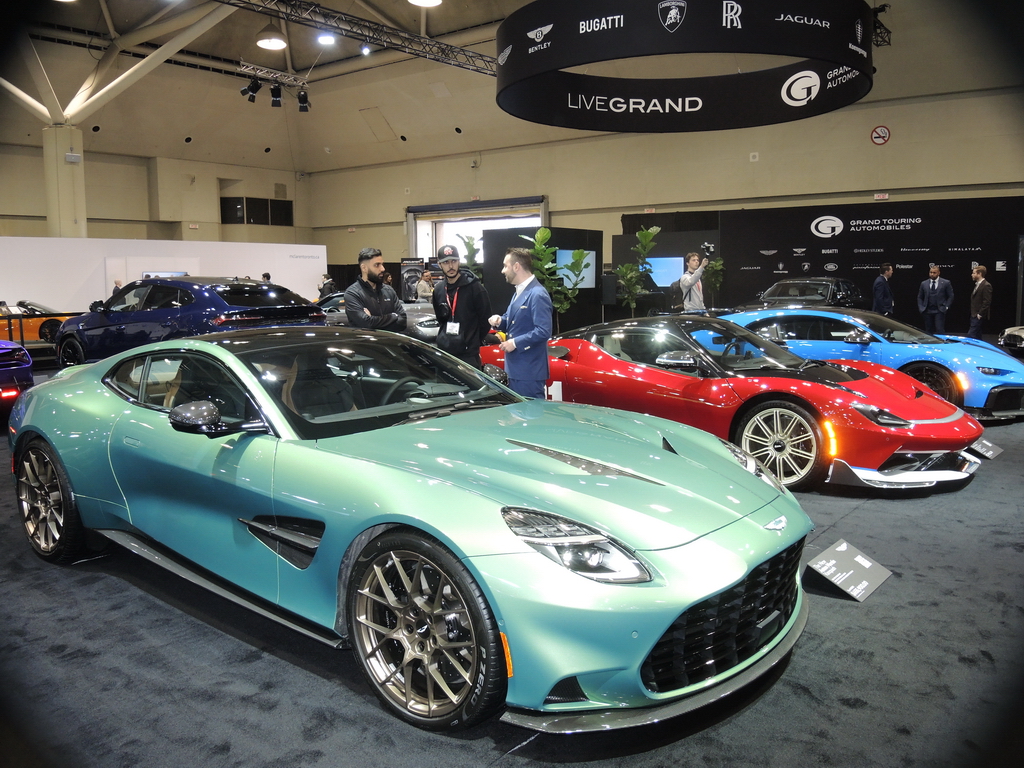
(155, 309)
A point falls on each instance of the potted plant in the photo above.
(469, 243)
(545, 267)
(631, 275)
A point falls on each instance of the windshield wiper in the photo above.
(448, 410)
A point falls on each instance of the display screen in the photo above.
(667, 269)
(564, 257)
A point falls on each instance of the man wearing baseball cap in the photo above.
(462, 307)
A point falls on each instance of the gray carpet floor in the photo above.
(112, 662)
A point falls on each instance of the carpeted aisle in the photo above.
(112, 663)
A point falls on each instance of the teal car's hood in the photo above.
(651, 483)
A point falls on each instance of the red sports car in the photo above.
(807, 421)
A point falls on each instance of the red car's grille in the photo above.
(716, 634)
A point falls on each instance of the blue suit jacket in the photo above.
(528, 321)
(882, 295)
(943, 295)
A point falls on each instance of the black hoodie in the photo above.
(472, 308)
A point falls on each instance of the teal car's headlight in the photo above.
(881, 417)
(752, 465)
(580, 549)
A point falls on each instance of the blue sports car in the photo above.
(973, 374)
(159, 308)
(581, 568)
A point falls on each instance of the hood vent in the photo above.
(584, 465)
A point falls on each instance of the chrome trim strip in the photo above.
(612, 719)
(843, 474)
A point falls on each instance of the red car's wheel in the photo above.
(787, 440)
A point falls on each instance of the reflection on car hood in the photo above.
(652, 483)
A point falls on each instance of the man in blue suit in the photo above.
(933, 300)
(527, 325)
(881, 292)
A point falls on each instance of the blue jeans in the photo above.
(528, 387)
(975, 331)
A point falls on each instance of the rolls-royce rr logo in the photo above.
(672, 13)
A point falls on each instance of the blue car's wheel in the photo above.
(424, 634)
(939, 379)
(69, 352)
(787, 440)
(47, 504)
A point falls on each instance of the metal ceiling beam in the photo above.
(317, 17)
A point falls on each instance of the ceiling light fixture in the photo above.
(275, 95)
(425, 3)
(270, 37)
(325, 38)
(252, 89)
(365, 49)
(303, 97)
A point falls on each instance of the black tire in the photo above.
(437, 668)
(70, 352)
(48, 331)
(47, 504)
(941, 380)
(787, 439)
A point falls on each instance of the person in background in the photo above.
(688, 289)
(933, 300)
(527, 325)
(981, 301)
(883, 302)
(327, 286)
(369, 301)
(117, 287)
(462, 307)
(266, 277)
(425, 286)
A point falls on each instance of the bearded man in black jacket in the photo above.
(369, 301)
(462, 307)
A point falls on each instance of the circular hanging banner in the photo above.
(830, 38)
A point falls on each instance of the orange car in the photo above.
(28, 321)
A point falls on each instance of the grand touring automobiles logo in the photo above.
(801, 88)
(672, 13)
(826, 226)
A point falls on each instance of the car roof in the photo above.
(258, 339)
(860, 314)
(681, 320)
(204, 282)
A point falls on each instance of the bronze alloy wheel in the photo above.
(786, 439)
(47, 504)
(423, 633)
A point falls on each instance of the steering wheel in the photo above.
(394, 387)
(733, 345)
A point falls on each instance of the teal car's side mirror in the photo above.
(203, 418)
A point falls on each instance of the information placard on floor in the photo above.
(851, 570)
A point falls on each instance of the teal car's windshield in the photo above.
(328, 388)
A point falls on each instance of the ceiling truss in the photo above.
(372, 33)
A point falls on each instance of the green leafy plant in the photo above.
(645, 244)
(545, 267)
(470, 246)
(714, 274)
(630, 285)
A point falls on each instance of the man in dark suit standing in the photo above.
(883, 303)
(933, 300)
(981, 300)
(527, 325)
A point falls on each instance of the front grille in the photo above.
(1003, 399)
(722, 631)
(922, 462)
(566, 691)
(1012, 340)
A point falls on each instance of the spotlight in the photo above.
(425, 3)
(303, 97)
(270, 37)
(275, 95)
(365, 49)
(252, 89)
(325, 38)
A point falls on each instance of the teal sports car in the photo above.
(578, 568)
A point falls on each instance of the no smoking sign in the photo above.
(880, 135)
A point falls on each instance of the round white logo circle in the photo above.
(801, 88)
(826, 226)
(831, 267)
